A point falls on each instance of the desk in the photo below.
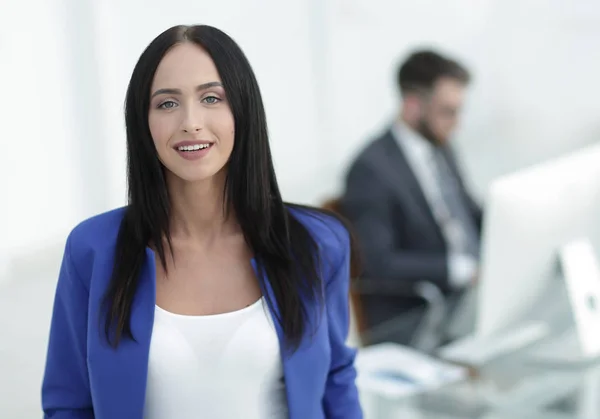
(509, 387)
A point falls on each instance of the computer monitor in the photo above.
(529, 216)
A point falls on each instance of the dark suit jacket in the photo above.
(395, 227)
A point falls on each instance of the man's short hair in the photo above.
(422, 69)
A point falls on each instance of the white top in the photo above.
(420, 156)
(220, 366)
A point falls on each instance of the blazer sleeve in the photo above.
(65, 388)
(341, 395)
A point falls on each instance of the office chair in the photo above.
(430, 332)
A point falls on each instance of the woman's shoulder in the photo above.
(328, 231)
(99, 228)
(95, 234)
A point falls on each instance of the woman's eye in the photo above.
(169, 104)
(211, 100)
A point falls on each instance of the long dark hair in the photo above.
(283, 248)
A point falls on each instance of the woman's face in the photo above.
(189, 117)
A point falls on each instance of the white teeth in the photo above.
(194, 147)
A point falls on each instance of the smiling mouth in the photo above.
(192, 148)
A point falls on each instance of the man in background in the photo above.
(406, 200)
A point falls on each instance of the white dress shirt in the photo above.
(419, 153)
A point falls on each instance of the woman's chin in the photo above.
(200, 175)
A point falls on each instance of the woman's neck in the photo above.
(197, 210)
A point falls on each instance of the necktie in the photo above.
(457, 219)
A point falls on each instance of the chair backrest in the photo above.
(334, 205)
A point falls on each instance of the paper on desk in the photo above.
(394, 370)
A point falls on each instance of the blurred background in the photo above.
(327, 70)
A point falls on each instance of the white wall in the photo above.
(326, 69)
(38, 181)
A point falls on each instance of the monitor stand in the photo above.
(579, 344)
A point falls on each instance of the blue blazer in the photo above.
(86, 378)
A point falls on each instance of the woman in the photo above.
(243, 313)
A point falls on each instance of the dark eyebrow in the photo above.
(178, 92)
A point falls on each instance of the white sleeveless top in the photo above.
(221, 366)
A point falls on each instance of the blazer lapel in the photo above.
(403, 180)
(121, 374)
(296, 365)
(286, 360)
(142, 321)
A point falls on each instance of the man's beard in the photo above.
(425, 130)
